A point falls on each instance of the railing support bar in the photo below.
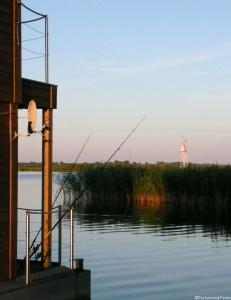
(27, 247)
(60, 236)
(71, 238)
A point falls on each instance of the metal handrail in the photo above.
(38, 210)
(28, 213)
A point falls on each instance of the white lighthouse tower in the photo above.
(183, 153)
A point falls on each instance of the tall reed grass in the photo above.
(120, 186)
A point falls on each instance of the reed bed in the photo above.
(121, 186)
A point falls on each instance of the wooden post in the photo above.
(47, 186)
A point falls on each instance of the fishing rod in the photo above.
(85, 188)
(60, 190)
(125, 140)
(77, 158)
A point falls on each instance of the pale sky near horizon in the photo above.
(115, 61)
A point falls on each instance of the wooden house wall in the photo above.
(10, 52)
(8, 190)
(6, 51)
(9, 97)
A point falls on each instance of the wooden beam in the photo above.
(44, 94)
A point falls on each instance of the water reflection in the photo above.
(144, 252)
(166, 220)
(145, 256)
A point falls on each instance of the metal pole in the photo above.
(71, 238)
(46, 51)
(27, 247)
(60, 236)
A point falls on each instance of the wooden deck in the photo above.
(54, 283)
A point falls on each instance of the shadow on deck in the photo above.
(57, 282)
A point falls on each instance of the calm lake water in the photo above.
(139, 256)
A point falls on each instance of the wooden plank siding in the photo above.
(44, 94)
(8, 190)
(6, 51)
(10, 52)
(10, 96)
(6, 7)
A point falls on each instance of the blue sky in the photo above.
(116, 61)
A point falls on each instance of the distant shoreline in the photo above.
(37, 167)
(67, 167)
